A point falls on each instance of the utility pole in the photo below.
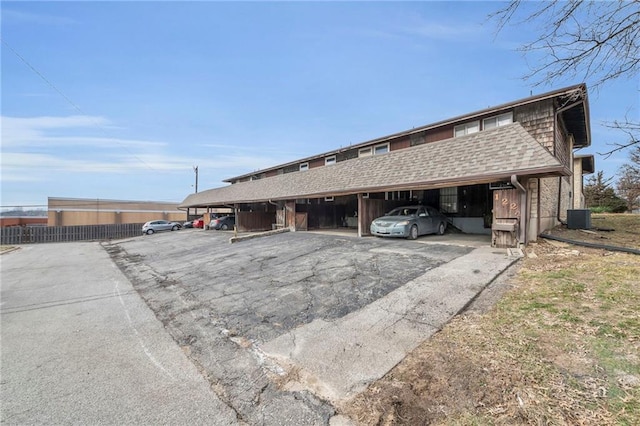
(195, 169)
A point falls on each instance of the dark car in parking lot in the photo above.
(410, 222)
(223, 223)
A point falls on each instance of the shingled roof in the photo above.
(482, 157)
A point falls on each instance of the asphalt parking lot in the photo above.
(284, 327)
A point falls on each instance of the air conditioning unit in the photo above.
(579, 219)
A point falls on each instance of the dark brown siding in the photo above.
(400, 144)
(255, 221)
(439, 134)
(318, 162)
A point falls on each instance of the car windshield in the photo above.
(403, 211)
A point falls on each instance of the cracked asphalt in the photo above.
(183, 327)
(285, 327)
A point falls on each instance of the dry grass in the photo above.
(562, 347)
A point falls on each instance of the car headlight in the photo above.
(403, 223)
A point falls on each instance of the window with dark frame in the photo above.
(449, 200)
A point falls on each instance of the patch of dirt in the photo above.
(549, 342)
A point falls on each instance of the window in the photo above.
(328, 198)
(497, 121)
(330, 160)
(364, 152)
(398, 195)
(449, 200)
(304, 166)
(466, 129)
(381, 149)
(365, 195)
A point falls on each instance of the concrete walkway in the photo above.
(79, 346)
(338, 359)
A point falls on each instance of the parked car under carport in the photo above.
(410, 222)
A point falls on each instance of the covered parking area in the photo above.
(354, 192)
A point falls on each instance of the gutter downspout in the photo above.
(524, 221)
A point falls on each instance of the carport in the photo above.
(507, 157)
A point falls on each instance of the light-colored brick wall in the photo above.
(548, 203)
(549, 206)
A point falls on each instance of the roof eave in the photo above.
(514, 104)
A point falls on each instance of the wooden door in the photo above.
(506, 218)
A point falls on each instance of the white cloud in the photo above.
(41, 148)
(34, 131)
(16, 16)
(415, 26)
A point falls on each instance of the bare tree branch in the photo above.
(628, 127)
(598, 41)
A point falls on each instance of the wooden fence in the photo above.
(56, 234)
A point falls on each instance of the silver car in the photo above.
(410, 222)
(159, 225)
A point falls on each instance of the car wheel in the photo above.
(441, 228)
(413, 232)
(224, 227)
(175, 228)
(150, 231)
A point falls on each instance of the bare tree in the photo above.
(628, 127)
(629, 182)
(597, 41)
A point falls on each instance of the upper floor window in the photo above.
(365, 152)
(381, 149)
(466, 129)
(497, 121)
(330, 160)
(304, 166)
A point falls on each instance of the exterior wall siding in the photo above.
(319, 162)
(537, 119)
(550, 209)
(399, 144)
(23, 221)
(566, 201)
(578, 194)
(533, 209)
(548, 203)
(74, 212)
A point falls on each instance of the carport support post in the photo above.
(524, 209)
(361, 216)
(290, 214)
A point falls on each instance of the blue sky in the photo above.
(120, 100)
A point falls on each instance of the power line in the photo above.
(69, 101)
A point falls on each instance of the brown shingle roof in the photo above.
(480, 157)
(576, 120)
